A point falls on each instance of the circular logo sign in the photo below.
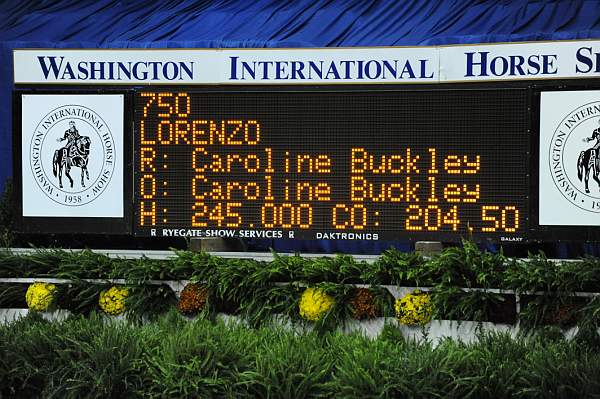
(72, 155)
(574, 157)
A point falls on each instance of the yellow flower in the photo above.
(314, 304)
(112, 301)
(40, 296)
(414, 308)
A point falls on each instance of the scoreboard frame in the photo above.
(125, 225)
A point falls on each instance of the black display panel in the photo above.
(323, 164)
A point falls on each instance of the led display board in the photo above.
(349, 164)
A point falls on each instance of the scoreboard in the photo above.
(487, 162)
(493, 142)
(352, 164)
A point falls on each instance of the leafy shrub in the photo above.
(289, 367)
(259, 291)
(149, 301)
(6, 215)
(96, 357)
(399, 268)
(195, 359)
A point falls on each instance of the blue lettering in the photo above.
(100, 70)
(393, 70)
(144, 74)
(407, 69)
(46, 68)
(547, 61)
(347, 65)
(265, 65)
(533, 62)
(174, 69)
(297, 67)
(503, 66)
(154, 66)
(189, 70)
(585, 59)
(482, 64)
(517, 65)
(68, 70)
(250, 70)
(83, 72)
(377, 69)
(317, 69)
(111, 70)
(126, 71)
(512, 65)
(423, 64)
(360, 69)
(233, 70)
(280, 69)
(332, 71)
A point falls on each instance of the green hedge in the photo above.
(7, 207)
(464, 266)
(93, 357)
(255, 290)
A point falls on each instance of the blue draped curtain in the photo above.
(275, 23)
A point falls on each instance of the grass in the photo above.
(173, 357)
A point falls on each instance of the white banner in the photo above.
(569, 168)
(543, 60)
(231, 66)
(72, 155)
(396, 65)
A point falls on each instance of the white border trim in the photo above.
(561, 59)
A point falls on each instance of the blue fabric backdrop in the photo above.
(272, 23)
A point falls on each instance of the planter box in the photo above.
(563, 315)
(501, 316)
(13, 314)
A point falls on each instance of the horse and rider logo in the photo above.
(574, 157)
(75, 153)
(589, 160)
(72, 139)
